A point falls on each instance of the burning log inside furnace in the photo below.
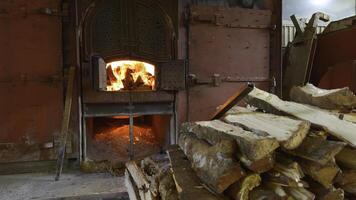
(130, 75)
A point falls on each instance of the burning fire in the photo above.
(130, 75)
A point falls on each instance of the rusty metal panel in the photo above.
(205, 100)
(227, 47)
(232, 42)
(30, 77)
(333, 48)
(340, 75)
(172, 75)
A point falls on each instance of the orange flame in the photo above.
(130, 75)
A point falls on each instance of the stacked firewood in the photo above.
(272, 149)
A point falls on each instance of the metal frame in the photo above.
(131, 109)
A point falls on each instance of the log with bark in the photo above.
(289, 132)
(259, 166)
(318, 149)
(215, 165)
(253, 146)
(346, 158)
(323, 174)
(286, 172)
(341, 129)
(131, 187)
(241, 189)
(261, 193)
(340, 98)
(299, 193)
(140, 180)
(187, 182)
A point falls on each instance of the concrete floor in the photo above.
(74, 185)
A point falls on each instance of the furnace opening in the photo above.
(108, 138)
(130, 75)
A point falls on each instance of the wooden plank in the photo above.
(215, 165)
(341, 98)
(232, 101)
(187, 182)
(251, 145)
(65, 123)
(290, 133)
(343, 130)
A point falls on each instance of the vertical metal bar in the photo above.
(131, 130)
(79, 82)
(84, 138)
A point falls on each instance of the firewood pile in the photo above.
(302, 149)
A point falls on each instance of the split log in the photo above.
(265, 194)
(167, 188)
(131, 187)
(278, 190)
(350, 188)
(346, 158)
(343, 130)
(323, 174)
(318, 149)
(187, 182)
(259, 166)
(323, 193)
(346, 177)
(289, 132)
(299, 193)
(328, 99)
(140, 180)
(215, 165)
(251, 145)
(238, 110)
(240, 190)
(286, 173)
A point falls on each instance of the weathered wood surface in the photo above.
(131, 187)
(286, 173)
(299, 193)
(258, 166)
(238, 110)
(187, 182)
(323, 174)
(140, 180)
(289, 132)
(251, 145)
(340, 98)
(346, 177)
(346, 158)
(341, 129)
(318, 149)
(215, 165)
(167, 188)
(262, 193)
(241, 189)
(233, 100)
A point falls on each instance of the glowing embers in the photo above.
(130, 75)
